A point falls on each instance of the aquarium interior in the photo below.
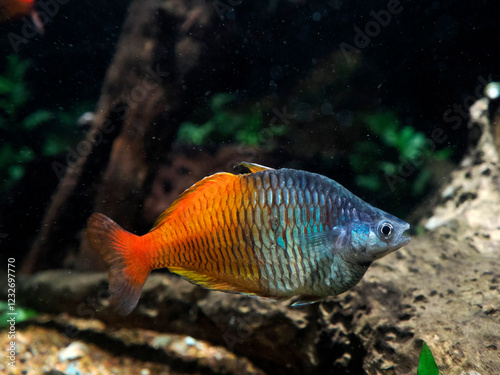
(119, 106)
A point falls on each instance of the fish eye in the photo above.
(385, 229)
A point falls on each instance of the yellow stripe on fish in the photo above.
(264, 232)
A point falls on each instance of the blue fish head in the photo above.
(376, 235)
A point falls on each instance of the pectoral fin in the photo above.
(305, 300)
(326, 242)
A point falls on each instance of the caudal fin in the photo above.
(125, 254)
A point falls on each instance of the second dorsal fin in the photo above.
(246, 167)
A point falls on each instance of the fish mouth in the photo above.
(404, 240)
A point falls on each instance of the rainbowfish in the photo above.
(13, 9)
(270, 233)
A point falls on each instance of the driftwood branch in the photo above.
(160, 54)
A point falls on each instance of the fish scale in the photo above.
(285, 200)
(264, 232)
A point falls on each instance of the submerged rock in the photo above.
(443, 288)
(443, 297)
(469, 203)
(73, 351)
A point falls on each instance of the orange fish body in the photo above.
(14, 9)
(10, 9)
(269, 233)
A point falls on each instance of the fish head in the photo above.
(376, 235)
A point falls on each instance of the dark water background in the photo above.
(420, 69)
(385, 115)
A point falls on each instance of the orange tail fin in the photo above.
(125, 254)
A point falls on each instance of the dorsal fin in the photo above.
(246, 167)
(188, 194)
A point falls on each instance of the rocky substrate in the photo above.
(437, 289)
(62, 344)
(442, 288)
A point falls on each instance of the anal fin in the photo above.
(202, 280)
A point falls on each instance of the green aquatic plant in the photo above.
(426, 363)
(219, 122)
(27, 133)
(22, 314)
(392, 154)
